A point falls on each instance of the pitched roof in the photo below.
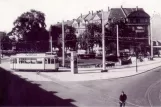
(94, 14)
(69, 22)
(82, 17)
(116, 13)
(105, 13)
(139, 13)
(89, 17)
(129, 10)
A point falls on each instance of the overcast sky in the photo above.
(58, 10)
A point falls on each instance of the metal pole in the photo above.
(63, 45)
(151, 39)
(136, 53)
(117, 27)
(51, 41)
(0, 50)
(103, 44)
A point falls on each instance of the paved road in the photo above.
(142, 90)
(28, 88)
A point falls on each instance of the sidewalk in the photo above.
(156, 60)
(96, 74)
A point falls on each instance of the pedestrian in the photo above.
(123, 98)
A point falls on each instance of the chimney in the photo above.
(81, 15)
(89, 12)
(92, 12)
(136, 8)
(121, 6)
(108, 8)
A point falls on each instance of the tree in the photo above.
(92, 35)
(55, 33)
(6, 42)
(30, 28)
(70, 37)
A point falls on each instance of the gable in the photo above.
(75, 24)
(96, 18)
(116, 13)
(138, 13)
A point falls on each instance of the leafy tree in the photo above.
(55, 33)
(92, 35)
(6, 42)
(70, 37)
(30, 28)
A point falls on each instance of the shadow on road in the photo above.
(15, 91)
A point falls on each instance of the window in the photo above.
(56, 60)
(27, 60)
(49, 61)
(146, 20)
(138, 20)
(39, 61)
(52, 61)
(13, 60)
(33, 61)
(22, 60)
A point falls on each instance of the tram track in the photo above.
(148, 92)
(160, 95)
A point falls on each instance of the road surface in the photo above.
(28, 88)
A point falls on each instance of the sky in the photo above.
(58, 10)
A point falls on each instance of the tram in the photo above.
(43, 62)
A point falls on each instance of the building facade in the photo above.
(136, 20)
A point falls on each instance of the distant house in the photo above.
(81, 23)
(136, 20)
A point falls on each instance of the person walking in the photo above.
(123, 98)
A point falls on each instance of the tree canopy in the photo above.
(30, 28)
(70, 37)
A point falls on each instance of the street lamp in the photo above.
(103, 45)
(151, 39)
(0, 49)
(136, 53)
(51, 45)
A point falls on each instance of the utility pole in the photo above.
(118, 53)
(103, 44)
(51, 41)
(151, 38)
(136, 53)
(63, 45)
(0, 50)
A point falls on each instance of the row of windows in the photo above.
(139, 20)
(34, 61)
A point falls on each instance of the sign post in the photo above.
(74, 66)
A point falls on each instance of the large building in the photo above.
(136, 20)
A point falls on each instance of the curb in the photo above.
(137, 73)
(94, 69)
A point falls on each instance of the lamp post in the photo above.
(136, 52)
(51, 41)
(151, 39)
(0, 49)
(63, 45)
(103, 45)
(117, 40)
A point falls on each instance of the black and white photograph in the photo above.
(80, 53)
